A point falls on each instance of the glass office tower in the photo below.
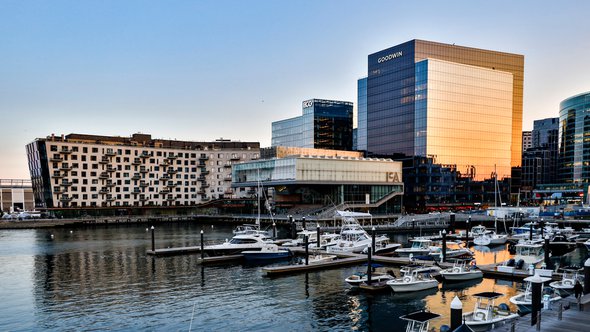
(460, 105)
(574, 130)
(361, 136)
(325, 124)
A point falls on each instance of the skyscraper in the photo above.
(457, 104)
(574, 151)
(325, 124)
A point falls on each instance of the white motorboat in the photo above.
(239, 243)
(461, 272)
(420, 247)
(454, 250)
(419, 321)
(568, 279)
(485, 315)
(247, 229)
(358, 278)
(482, 240)
(413, 279)
(531, 252)
(524, 299)
(353, 238)
(491, 238)
(320, 258)
(312, 237)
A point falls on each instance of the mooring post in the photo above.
(560, 312)
(274, 231)
(306, 244)
(456, 313)
(452, 223)
(369, 267)
(318, 236)
(413, 223)
(153, 241)
(444, 248)
(303, 222)
(539, 321)
(202, 246)
(547, 252)
(531, 232)
(467, 232)
(587, 276)
(536, 285)
(373, 239)
(542, 225)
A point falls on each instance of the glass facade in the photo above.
(574, 139)
(460, 105)
(325, 124)
(361, 136)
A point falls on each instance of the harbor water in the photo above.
(100, 278)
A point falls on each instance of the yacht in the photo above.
(358, 278)
(240, 243)
(454, 250)
(266, 254)
(531, 252)
(419, 247)
(353, 238)
(461, 272)
(485, 315)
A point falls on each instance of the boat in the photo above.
(420, 247)
(461, 272)
(524, 299)
(356, 279)
(587, 244)
(413, 279)
(454, 250)
(249, 229)
(525, 229)
(319, 258)
(419, 321)
(353, 238)
(482, 240)
(531, 252)
(312, 237)
(560, 245)
(485, 315)
(239, 243)
(266, 253)
(565, 286)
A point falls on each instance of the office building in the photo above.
(361, 135)
(574, 150)
(539, 162)
(91, 171)
(460, 105)
(325, 124)
(527, 140)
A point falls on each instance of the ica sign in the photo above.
(392, 177)
(308, 103)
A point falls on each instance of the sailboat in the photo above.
(492, 237)
(253, 229)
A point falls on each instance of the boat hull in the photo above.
(461, 276)
(252, 255)
(401, 287)
(486, 325)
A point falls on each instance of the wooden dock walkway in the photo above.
(573, 320)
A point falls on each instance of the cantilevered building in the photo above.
(458, 105)
(111, 171)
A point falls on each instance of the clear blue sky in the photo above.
(201, 70)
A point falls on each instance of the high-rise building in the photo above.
(539, 162)
(325, 124)
(527, 140)
(574, 127)
(111, 171)
(459, 105)
(361, 134)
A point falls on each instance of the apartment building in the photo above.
(81, 170)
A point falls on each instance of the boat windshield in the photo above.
(242, 241)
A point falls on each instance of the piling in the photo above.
(153, 240)
(456, 313)
(587, 276)
(530, 231)
(452, 223)
(369, 266)
(444, 246)
(293, 227)
(306, 244)
(546, 249)
(318, 236)
(274, 231)
(536, 286)
(542, 225)
(413, 223)
(202, 246)
(303, 223)
(373, 239)
(467, 232)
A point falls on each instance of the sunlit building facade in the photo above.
(325, 124)
(458, 105)
(574, 139)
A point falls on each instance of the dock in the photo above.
(572, 319)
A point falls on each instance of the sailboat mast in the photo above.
(258, 196)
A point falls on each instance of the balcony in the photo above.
(204, 185)
(103, 175)
(144, 155)
(235, 157)
(136, 191)
(110, 184)
(170, 198)
(202, 178)
(110, 153)
(111, 169)
(165, 191)
(65, 167)
(104, 160)
(171, 184)
(142, 198)
(227, 165)
(136, 176)
(143, 184)
(56, 159)
(65, 150)
(205, 198)
(143, 170)
(65, 183)
(58, 190)
(204, 171)
(103, 191)
(201, 192)
(164, 163)
(172, 171)
(204, 157)
(136, 161)
(65, 198)
(165, 178)
(227, 178)
(172, 156)
(110, 198)
(57, 175)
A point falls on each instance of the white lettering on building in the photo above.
(308, 103)
(390, 57)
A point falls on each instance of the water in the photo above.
(99, 278)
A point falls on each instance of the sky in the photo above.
(203, 70)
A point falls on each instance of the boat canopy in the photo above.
(353, 214)
(420, 316)
(488, 295)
